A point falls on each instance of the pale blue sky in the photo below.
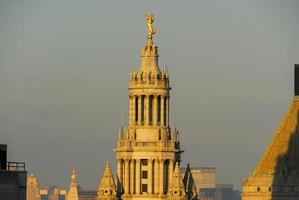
(64, 70)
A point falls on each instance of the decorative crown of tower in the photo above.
(149, 71)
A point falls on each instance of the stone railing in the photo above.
(159, 144)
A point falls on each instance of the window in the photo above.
(144, 162)
(144, 174)
(144, 188)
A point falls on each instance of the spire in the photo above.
(74, 176)
(73, 192)
(149, 52)
(176, 187)
(107, 187)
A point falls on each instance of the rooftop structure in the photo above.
(276, 176)
(13, 177)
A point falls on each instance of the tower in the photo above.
(148, 149)
(276, 177)
(72, 194)
(32, 188)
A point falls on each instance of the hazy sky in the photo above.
(64, 71)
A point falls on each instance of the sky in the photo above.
(64, 72)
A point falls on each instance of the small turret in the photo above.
(176, 189)
(73, 192)
(107, 187)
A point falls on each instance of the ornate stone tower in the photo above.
(72, 194)
(276, 177)
(148, 149)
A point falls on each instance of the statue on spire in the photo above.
(150, 18)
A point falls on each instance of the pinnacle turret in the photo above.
(176, 185)
(107, 187)
(73, 192)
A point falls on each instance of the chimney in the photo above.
(296, 80)
(3, 156)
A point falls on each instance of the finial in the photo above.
(150, 18)
(74, 175)
(74, 169)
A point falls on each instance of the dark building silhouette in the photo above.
(13, 177)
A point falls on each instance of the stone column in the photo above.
(127, 176)
(137, 176)
(139, 109)
(150, 176)
(167, 111)
(170, 171)
(162, 110)
(161, 176)
(119, 172)
(156, 176)
(155, 101)
(146, 109)
(132, 172)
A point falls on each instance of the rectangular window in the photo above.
(144, 174)
(144, 188)
(144, 162)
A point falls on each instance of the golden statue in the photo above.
(150, 18)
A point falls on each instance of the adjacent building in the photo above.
(87, 194)
(276, 176)
(55, 193)
(33, 191)
(13, 177)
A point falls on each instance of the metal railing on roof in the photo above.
(15, 166)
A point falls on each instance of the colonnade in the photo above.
(149, 110)
(144, 176)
